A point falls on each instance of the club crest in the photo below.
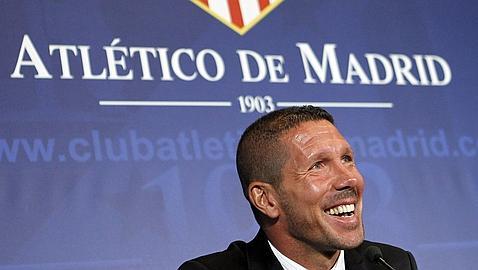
(239, 15)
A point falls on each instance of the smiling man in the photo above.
(299, 175)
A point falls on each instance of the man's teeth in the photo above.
(345, 209)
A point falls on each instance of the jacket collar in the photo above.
(354, 260)
(260, 256)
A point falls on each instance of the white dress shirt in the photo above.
(289, 264)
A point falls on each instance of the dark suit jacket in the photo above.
(257, 255)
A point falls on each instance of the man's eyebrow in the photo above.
(348, 148)
(322, 153)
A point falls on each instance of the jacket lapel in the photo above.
(354, 260)
(259, 254)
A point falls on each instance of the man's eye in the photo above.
(317, 165)
(347, 158)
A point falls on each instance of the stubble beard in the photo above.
(319, 236)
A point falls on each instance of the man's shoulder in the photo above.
(240, 255)
(234, 257)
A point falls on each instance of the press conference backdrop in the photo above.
(119, 122)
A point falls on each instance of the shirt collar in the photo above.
(289, 264)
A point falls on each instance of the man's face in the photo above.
(321, 189)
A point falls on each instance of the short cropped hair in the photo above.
(261, 154)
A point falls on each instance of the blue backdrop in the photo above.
(87, 182)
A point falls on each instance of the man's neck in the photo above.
(304, 254)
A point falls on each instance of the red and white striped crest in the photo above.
(239, 15)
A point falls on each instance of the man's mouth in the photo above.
(343, 210)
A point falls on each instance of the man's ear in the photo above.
(264, 198)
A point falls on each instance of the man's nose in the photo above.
(346, 183)
(345, 177)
